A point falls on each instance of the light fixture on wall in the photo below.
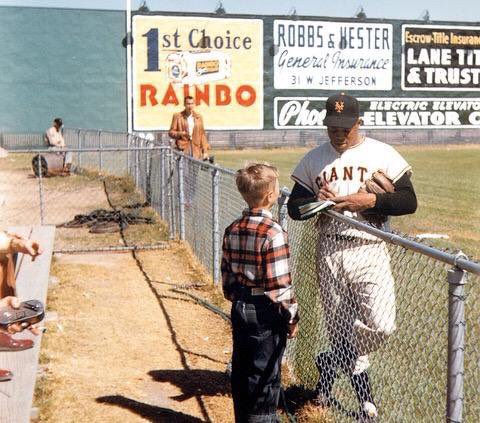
(360, 13)
(425, 16)
(293, 13)
(220, 10)
(143, 7)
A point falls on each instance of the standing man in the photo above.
(355, 280)
(54, 140)
(188, 132)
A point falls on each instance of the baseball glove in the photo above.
(378, 183)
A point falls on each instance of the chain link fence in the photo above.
(278, 138)
(409, 369)
(412, 367)
(425, 359)
(112, 198)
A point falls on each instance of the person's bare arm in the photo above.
(13, 243)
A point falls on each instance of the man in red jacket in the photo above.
(188, 131)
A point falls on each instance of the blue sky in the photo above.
(445, 10)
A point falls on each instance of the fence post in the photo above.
(181, 197)
(457, 279)
(40, 188)
(128, 153)
(216, 224)
(282, 209)
(162, 183)
(100, 157)
(79, 147)
(136, 165)
(171, 202)
(148, 177)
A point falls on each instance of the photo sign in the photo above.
(325, 55)
(437, 57)
(217, 61)
(393, 113)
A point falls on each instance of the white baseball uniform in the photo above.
(355, 280)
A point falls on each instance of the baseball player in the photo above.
(355, 280)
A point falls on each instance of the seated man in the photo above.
(54, 140)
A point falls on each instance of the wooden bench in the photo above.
(16, 396)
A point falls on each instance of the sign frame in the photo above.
(260, 95)
(403, 62)
(365, 99)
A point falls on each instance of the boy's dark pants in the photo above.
(259, 338)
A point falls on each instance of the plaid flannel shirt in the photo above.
(256, 254)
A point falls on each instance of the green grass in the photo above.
(17, 162)
(446, 180)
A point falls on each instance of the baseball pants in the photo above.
(356, 291)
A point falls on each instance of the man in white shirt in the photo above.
(55, 141)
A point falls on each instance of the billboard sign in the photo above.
(383, 113)
(218, 61)
(324, 55)
(438, 57)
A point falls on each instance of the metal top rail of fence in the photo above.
(235, 139)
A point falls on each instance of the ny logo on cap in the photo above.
(339, 106)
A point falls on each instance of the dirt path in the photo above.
(125, 348)
(121, 345)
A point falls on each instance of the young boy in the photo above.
(256, 279)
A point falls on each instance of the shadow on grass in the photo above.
(297, 397)
(194, 383)
(150, 412)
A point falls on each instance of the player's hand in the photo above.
(326, 193)
(292, 329)
(26, 246)
(357, 202)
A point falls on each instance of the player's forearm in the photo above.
(402, 201)
(299, 196)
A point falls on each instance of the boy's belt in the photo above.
(252, 293)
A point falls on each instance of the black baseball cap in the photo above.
(342, 111)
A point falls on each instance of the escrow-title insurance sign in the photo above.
(332, 55)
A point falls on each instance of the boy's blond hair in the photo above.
(254, 180)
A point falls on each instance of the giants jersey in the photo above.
(345, 173)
